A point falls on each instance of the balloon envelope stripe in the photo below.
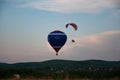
(57, 34)
(57, 46)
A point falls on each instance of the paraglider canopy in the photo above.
(73, 25)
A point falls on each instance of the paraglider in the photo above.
(57, 39)
(74, 27)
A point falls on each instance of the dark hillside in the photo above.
(75, 69)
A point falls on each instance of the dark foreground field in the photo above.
(61, 70)
(115, 78)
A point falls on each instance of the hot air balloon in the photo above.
(57, 39)
(73, 25)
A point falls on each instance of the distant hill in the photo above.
(61, 68)
(65, 64)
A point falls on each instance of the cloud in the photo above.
(105, 45)
(72, 6)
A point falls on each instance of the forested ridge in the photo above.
(62, 68)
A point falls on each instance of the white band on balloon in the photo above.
(57, 34)
(57, 46)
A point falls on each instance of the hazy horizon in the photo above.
(60, 60)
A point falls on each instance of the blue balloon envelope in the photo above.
(57, 39)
